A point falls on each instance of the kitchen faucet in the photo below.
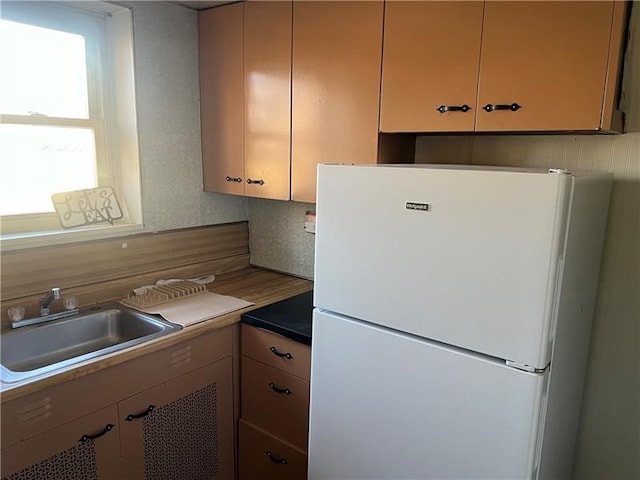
(45, 302)
(54, 294)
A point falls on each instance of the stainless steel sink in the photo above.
(40, 349)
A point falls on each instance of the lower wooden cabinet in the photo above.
(265, 457)
(274, 423)
(86, 449)
(164, 416)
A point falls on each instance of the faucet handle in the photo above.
(15, 313)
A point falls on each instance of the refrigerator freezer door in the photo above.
(390, 406)
(467, 257)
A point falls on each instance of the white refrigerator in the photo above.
(453, 313)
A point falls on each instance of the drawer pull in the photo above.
(133, 416)
(281, 461)
(233, 179)
(277, 389)
(275, 351)
(256, 182)
(87, 437)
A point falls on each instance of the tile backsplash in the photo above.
(277, 237)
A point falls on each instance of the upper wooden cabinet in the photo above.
(245, 95)
(220, 39)
(537, 66)
(267, 98)
(548, 57)
(285, 86)
(337, 48)
(431, 58)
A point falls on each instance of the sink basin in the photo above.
(39, 349)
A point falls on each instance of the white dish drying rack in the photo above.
(159, 294)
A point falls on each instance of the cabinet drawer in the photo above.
(278, 351)
(275, 401)
(264, 457)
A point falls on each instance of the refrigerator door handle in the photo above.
(524, 367)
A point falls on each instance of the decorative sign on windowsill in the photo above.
(87, 207)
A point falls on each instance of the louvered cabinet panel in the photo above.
(85, 449)
(182, 429)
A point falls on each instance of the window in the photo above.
(67, 109)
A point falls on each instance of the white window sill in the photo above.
(17, 241)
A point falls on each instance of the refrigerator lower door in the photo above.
(385, 405)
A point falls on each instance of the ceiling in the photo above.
(200, 4)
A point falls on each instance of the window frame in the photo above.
(116, 145)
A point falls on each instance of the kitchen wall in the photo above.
(609, 439)
(166, 65)
(166, 69)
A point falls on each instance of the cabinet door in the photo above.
(221, 98)
(87, 448)
(267, 98)
(337, 48)
(550, 58)
(181, 429)
(430, 66)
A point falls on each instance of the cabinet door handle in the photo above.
(281, 461)
(453, 108)
(277, 389)
(275, 351)
(87, 437)
(133, 416)
(514, 107)
(255, 182)
(233, 179)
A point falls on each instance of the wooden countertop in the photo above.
(256, 285)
